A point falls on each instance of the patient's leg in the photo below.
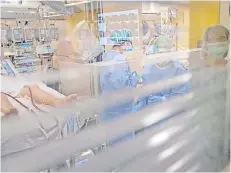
(6, 106)
(43, 97)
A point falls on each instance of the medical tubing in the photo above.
(32, 100)
(16, 100)
(40, 124)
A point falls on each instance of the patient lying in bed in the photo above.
(44, 126)
(20, 91)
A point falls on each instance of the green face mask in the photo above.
(217, 50)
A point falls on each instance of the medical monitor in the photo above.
(2, 54)
(29, 34)
(42, 34)
(9, 35)
(36, 34)
(17, 34)
(53, 33)
(8, 68)
(6, 35)
(3, 35)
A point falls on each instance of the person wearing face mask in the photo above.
(116, 53)
(213, 75)
(115, 77)
(216, 46)
(214, 59)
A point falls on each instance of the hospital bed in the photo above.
(61, 125)
(155, 149)
(55, 126)
(20, 81)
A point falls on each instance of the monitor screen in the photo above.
(53, 33)
(17, 35)
(2, 53)
(29, 34)
(42, 33)
(8, 67)
(3, 36)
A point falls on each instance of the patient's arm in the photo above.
(43, 97)
(6, 106)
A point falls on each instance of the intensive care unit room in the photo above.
(115, 86)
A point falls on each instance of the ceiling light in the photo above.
(31, 12)
(76, 3)
(56, 15)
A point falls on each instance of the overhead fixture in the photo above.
(150, 7)
(32, 12)
(77, 3)
(11, 2)
(56, 15)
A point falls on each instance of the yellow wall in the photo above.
(71, 22)
(193, 19)
(75, 19)
(202, 15)
(183, 27)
